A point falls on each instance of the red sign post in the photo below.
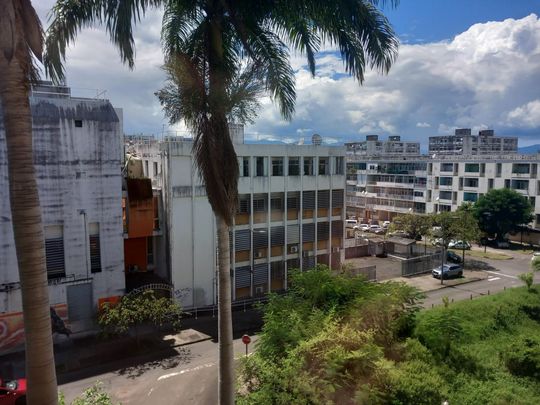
(246, 340)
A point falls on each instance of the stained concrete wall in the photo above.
(77, 169)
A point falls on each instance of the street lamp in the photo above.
(487, 216)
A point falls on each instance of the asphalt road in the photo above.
(188, 378)
(191, 376)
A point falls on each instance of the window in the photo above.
(243, 205)
(445, 195)
(259, 204)
(520, 184)
(445, 181)
(155, 169)
(245, 166)
(521, 168)
(499, 169)
(323, 166)
(447, 167)
(472, 167)
(490, 184)
(470, 182)
(308, 166)
(472, 197)
(260, 166)
(78, 123)
(294, 166)
(277, 166)
(339, 165)
(95, 249)
(54, 251)
(506, 183)
(418, 193)
(276, 203)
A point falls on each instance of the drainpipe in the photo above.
(83, 213)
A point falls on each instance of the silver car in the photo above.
(449, 270)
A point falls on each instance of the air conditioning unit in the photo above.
(294, 249)
(335, 250)
(258, 254)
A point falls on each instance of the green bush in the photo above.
(523, 358)
(95, 395)
(528, 279)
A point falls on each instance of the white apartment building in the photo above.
(464, 143)
(291, 215)
(77, 156)
(373, 146)
(385, 187)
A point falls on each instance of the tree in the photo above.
(466, 226)
(500, 211)
(211, 38)
(21, 39)
(415, 225)
(136, 310)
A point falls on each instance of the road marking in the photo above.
(501, 274)
(164, 377)
(493, 278)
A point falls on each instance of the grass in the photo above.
(490, 327)
(488, 255)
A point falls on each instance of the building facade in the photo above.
(380, 188)
(464, 143)
(373, 146)
(291, 215)
(77, 157)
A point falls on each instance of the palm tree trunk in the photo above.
(28, 235)
(225, 334)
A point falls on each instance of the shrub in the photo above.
(95, 395)
(528, 279)
(523, 358)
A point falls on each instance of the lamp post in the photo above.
(487, 216)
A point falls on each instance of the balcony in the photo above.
(522, 175)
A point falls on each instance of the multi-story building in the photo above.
(464, 143)
(372, 146)
(77, 156)
(387, 186)
(291, 215)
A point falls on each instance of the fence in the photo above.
(420, 264)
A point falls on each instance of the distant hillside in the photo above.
(529, 150)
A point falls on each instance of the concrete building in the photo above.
(381, 187)
(291, 215)
(77, 156)
(372, 146)
(464, 143)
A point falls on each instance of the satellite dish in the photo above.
(316, 139)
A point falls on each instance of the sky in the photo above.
(461, 64)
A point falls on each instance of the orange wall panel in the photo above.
(135, 253)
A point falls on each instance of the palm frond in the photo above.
(68, 17)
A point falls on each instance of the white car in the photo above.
(351, 223)
(363, 227)
(535, 256)
(386, 224)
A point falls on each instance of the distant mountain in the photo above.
(530, 150)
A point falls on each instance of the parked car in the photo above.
(373, 228)
(535, 255)
(460, 244)
(452, 257)
(363, 227)
(386, 224)
(502, 244)
(449, 270)
(351, 223)
(400, 234)
(437, 242)
(380, 231)
(13, 392)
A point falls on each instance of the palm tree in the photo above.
(211, 38)
(21, 38)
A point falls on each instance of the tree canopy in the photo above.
(500, 211)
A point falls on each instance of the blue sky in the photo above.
(461, 64)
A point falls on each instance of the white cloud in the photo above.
(528, 115)
(486, 76)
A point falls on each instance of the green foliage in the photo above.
(135, 310)
(535, 264)
(413, 224)
(528, 279)
(94, 395)
(523, 358)
(500, 211)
